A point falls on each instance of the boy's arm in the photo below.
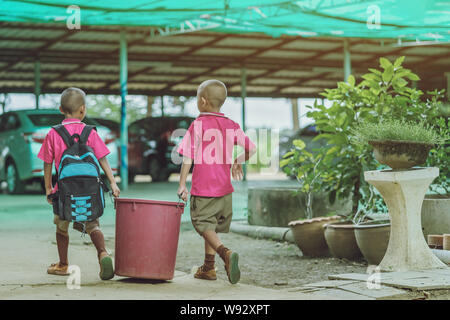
(185, 167)
(48, 180)
(236, 169)
(107, 170)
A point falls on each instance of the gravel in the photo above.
(264, 263)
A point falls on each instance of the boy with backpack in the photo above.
(208, 145)
(78, 196)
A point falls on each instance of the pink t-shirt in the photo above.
(215, 136)
(54, 146)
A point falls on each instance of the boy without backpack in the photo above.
(73, 106)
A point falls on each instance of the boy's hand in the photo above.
(47, 193)
(236, 171)
(183, 192)
(115, 190)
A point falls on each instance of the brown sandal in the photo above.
(57, 269)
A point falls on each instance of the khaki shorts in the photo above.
(63, 225)
(211, 213)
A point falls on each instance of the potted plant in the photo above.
(399, 144)
(372, 235)
(382, 94)
(436, 205)
(308, 233)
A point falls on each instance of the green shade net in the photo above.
(400, 19)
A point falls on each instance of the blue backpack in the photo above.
(80, 187)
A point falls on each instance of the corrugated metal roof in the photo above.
(176, 64)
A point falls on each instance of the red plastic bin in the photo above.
(147, 234)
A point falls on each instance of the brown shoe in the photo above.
(57, 269)
(232, 266)
(205, 275)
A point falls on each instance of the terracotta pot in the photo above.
(341, 240)
(446, 242)
(309, 235)
(435, 214)
(373, 238)
(401, 154)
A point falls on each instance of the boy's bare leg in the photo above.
(99, 242)
(106, 266)
(212, 240)
(62, 242)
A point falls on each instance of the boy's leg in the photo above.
(230, 258)
(207, 271)
(98, 240)
(210, 254)
(105, 261)
(62, 242)
(209, 215)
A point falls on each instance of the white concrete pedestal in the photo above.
(403, 192)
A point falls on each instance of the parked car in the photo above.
(112, 125)
(21, 136)
(307, 134)
(150, 146)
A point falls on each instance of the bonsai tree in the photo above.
(382, 94)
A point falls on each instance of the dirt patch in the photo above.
(265, 263)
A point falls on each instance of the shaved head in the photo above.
(72, 99)
(214, 91)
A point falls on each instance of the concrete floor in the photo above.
(27, 247)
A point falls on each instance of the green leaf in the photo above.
(351, 80)
(371, 76)
(388, 73)
(400, 82)
(284, 162)
(385, 63)
(399, 61)
(413, 77)
(288, 154)
(376, 71)
(299, 144)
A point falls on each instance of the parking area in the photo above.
(30, 210)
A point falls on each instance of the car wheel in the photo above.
(156, 171)
(131, 177)
(14, 184)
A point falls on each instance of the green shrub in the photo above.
(397, 130)
(383, 94)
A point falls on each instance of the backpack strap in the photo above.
(64, 134)
(84, 136)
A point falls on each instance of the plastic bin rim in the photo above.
(167, 203)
